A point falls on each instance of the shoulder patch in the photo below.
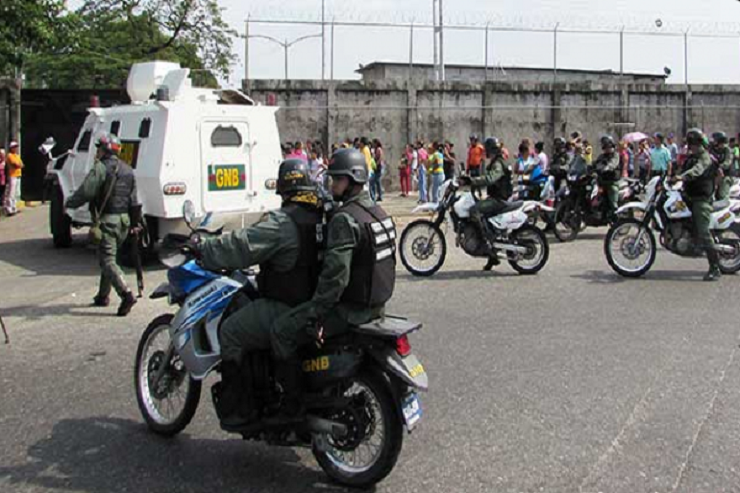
(340, 230)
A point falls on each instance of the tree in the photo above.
(27, 27)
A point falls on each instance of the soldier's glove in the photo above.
(192, 246)
(464, 180)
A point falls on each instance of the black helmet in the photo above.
(719, 137)
(559, 143)
(608, 141)
(695, 137)
(294, 177)
(493, 146)
(350, 163)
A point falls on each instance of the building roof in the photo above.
(512, 68)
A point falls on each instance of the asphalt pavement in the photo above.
(574, 380)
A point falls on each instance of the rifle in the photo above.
(5, 331)
(136, 254)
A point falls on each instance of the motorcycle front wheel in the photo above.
(373, 443)
(423, 248)
(630, 253)
(537, 254)
(567, 222)
(729, 263)
(169, 405)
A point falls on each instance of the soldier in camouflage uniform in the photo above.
(110, 189)
(698, 175)
(607, 170)
(725, 162)
(285, 244)
(497, 179)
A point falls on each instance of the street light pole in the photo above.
(323, 39)
(246, 53)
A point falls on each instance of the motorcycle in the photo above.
(423, 246)
(583, 203)
(360, 389)
(630, 246)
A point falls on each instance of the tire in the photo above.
(730, 264)
(391, 446)
(613, 235)
(410, 251)
(538, 237)
(563, 218)
(155, 423)
(59, 222)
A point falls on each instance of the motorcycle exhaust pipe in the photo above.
(510, 248)
(325, 426)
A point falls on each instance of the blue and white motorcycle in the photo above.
(360, 389)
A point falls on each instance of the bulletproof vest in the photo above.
(296, 285)
(724, 156)
(607, 175)
(373, 276)
(559, 163)
(504, 187)
(120, 199)
(703, 186)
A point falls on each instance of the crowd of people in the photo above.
(423, 167)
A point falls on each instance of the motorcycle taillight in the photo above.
(403, 346)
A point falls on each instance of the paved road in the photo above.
(574, 380)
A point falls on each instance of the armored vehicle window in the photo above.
(226, 137)
(84, 144)
(115, 127)
(145, 128)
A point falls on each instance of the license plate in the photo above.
(411, 410)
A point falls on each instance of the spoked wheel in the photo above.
(729, 263)
(168, 405)
(423, 248)
(630, 248)
(567, 222)
(537, 254)
(375, 435)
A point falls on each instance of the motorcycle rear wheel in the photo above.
(624, 256)
(566, 224)
(730, 264)
(167, 409)
(423, 248)
(343, 460)
(538, 250)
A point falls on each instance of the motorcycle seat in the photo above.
(511, 207)
(389, 327)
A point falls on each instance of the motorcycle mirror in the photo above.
(47, 146)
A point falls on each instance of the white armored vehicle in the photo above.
(214, 148)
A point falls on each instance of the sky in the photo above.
(711, 60)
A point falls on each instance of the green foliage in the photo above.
(95, 46)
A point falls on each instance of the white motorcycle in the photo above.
(630, 245)
(424, 248)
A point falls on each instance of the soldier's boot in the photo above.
(487, 236)
(714, 273)
(493, 261)
(102, 301)
(234, 403)
(127, 303)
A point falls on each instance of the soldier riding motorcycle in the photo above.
(356, 388)
(681, 211)
(483, 227)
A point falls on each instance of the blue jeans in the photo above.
(422, 184)
(437, 181)
(376, 187)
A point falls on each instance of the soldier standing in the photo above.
(110, 189)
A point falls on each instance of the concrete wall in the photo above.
(397, 112)
(10, 111)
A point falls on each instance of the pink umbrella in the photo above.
(635, 137)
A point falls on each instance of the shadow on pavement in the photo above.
(105, 455)
(39, 257)
(458, 275)
(609, 277)
(83, 309)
